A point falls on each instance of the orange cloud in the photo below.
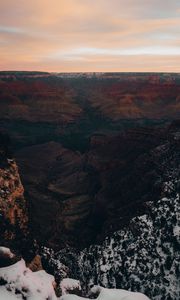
(79, 35)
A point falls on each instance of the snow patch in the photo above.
(6, 252)
(109, 294)
(69, 284)
(19, 282)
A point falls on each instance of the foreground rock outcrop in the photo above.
(19, 282)
(13, 207)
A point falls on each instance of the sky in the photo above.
(90, 35)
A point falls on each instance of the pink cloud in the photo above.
(34, 34)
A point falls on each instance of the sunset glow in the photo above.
(90, 35)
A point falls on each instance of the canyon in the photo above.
(88, 162)
(82, 143)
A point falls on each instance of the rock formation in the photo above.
(83, 197)
(144, 255)
(99, 160)
(19, 282)
(14, 227)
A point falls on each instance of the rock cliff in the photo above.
(83, 197)
(144, 255)
(13, 207)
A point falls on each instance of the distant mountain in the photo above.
(53, 98)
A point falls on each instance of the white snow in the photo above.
(6, 252)
(6, 295)
(22, 282)
(74, 297)
(109, 294)
(176, 231)
(69, 284)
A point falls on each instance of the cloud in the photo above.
(81, 34)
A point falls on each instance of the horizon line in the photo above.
(91, 72)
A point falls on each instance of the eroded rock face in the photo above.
(36, 109)
(76, 199)
(139, 99)
(11, 194)
(54, 100)
(60, 189)
(13, 211)
(144, 255)
(37, 101)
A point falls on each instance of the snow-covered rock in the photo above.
(19, 282)
(68, 285)
(7, 258)
(72, 297)
(110, 294)
(143, 257)
(6, 252)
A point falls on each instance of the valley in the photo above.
(89, 167)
